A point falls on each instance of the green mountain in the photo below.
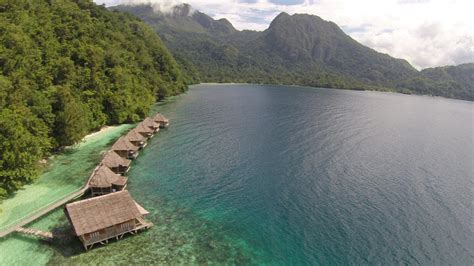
(298, 49)
(448, 81)
(69, 67)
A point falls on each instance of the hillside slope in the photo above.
(69, 67)
(449, 81)
(297, 49)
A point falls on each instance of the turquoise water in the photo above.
(249, 174)
(66, 173)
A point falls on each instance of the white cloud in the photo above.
(425, 32)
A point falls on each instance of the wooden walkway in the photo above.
(18, 225)
(35, 232)
(47, 209)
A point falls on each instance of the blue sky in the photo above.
(427, 33)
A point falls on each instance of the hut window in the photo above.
(95, 235)
(125, 226)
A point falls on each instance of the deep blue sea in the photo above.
(253, 174)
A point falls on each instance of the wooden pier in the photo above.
(125, 148)
(48, 208)
(35, 232)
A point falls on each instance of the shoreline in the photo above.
(66, 173)
(13, 220)
(46, 162)
(324, 88)
(68, 170)
(95, 133)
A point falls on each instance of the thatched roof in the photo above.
(142, 210)
(160, 118)
(112, 159)
(133, 135)
(104, 177)
(97, 213)
(123, 144)
(142, 128)
(150, 123)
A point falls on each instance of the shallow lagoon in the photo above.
(66, 173)
(272, 174)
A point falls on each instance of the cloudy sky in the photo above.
(427, 33)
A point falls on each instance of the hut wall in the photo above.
(117, 188)
(125, 227)
(146, 134)
(97, 191)
(116, 170)
(137, 143)
(123, 154)
(107, 233)
(163, 124)
(119, 169)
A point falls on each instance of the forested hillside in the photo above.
(449, 81)
(69, 67)
(297, 49)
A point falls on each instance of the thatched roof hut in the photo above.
(105, 181)
(125, 148)
(151, 124)
(116, 163)
(144, 130)
(162, 120)
(123, 144)
(98, 219)
(136, 138)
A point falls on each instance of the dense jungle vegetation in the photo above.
(69, 67)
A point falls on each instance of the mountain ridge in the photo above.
(297, 49)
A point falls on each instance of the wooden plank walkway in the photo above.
(35, 232)
(48, 208)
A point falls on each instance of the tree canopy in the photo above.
(69, 67)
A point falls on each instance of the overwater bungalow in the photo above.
(151, 124)
(116, 163)
(99, 219)
(144, 130)
(125, 149)
(104, 181)
(136, 138)
(162, 120)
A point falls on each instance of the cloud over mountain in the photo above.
(425, 32)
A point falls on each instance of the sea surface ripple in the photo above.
(252, 174)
